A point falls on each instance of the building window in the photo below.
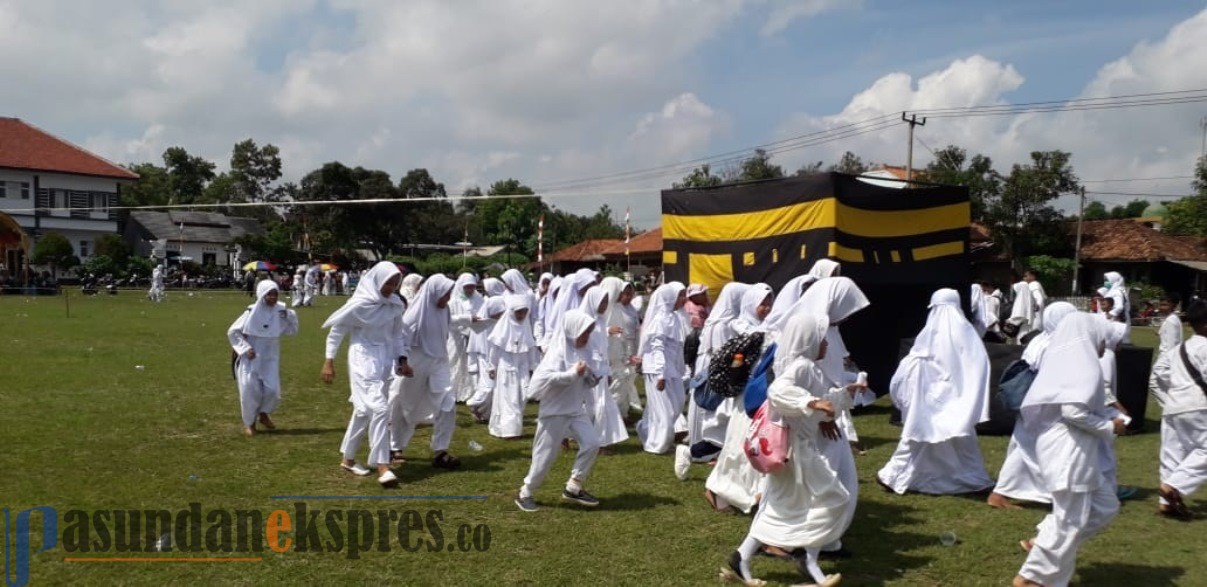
(83, 249)
(25, 190)
(209, 259)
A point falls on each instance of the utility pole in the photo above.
(1203, 148)
(909, 159)
(1077, 246)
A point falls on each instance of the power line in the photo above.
(1130, 179)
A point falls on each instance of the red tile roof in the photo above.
(592, 250)
(25, 146)
(1129, 240)
(645, 243)
(896, 170)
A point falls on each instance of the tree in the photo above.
(1188, 216)
(434, 222)
(1095, 210)
(759, 167)
(154, 186)
(254, 169)
(810, 168)
(1133, 209)
(953, 167)
(1021, 215)
(55, 250)
(849, 164)
(700, 177)
(187, 174)
(113, 247)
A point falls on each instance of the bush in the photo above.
(1054, 274)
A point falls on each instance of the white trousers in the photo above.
(255, 398)
(1075, 518)
(413, 399)
(1184, 451)
(370, 374)
(547, 445)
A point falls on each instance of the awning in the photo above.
(1196, 265)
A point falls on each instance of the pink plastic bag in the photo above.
(767, 442)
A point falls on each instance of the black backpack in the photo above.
(726, 379)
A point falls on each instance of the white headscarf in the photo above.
(1074, 375)
(590, 306)
(494, 287)
(515, 281)
(568, 297)
(265, 320)
(562, 353)
(748, 319)
(510, 334)
(836, 298)
(1053, 315)
(662, 319)
(367, 307)
(463, 280)
(717, 328)
(1024, 304)
(824, 268)
(1118, 292)
(548, 319)
(802, 337)
(613, 287)
(427, 324)
(953, 388)
(980, 310)
(410, 286)
(785, 299)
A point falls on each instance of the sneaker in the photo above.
(683, 461)
(526, 504)
(356, 469)
(388, 480)
(581, 498)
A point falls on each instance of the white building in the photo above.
(48, 184)
(206, 238)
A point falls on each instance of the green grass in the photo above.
(82, 428)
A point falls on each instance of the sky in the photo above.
(552, 92)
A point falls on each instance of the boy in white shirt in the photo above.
(1181, 390)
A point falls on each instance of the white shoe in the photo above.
(388, 479)
(356, 469)
(683, 461)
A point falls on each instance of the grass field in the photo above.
(83, 428)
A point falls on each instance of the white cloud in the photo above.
(785, 13)
(1139, 142)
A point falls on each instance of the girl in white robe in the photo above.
(429, 390)
(942, 390)
(569, 297)
(157, 290)
(463, 309)
(733, 482)
(489, 314)
(838, 298)
(1023, 312)
(706, 428)
(1065, 410)
(255, 337)
(377, 350)
(804, 505)
(299, 287)
(662, 363)
(538, 310)
(513, 356)
(545, 323)
(1019, 477)
(623, 327)
(609, 424)
(562, 384)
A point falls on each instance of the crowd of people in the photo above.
(758, 383)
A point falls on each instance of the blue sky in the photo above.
(553, 90)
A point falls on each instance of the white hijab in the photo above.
(1024, 304)
(824, 268)
(410, 286)
(1053, 315)
(748, 319)
(367, 307)
(590, 306)
(802, 337)
(950, 396)
(427, 324)
(515, 281)
(1074, 375)
(568, 297)
(494, 287)
(562, 353)
(980, 310)
(662, 319)
(613, 287)
(717, 328)
(511, 334)
(264, 320)
(836, 298)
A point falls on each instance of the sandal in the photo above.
(443, 460)
(1176, 508)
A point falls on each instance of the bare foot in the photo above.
(1020, 581)
(267, 422)
(1026, 545)
(249, 431)
(1001, 502)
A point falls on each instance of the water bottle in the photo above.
(474, 446)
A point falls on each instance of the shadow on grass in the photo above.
(627, 502)
(881, 543)
(1128, 574)
(301, 431)
(419, 462)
